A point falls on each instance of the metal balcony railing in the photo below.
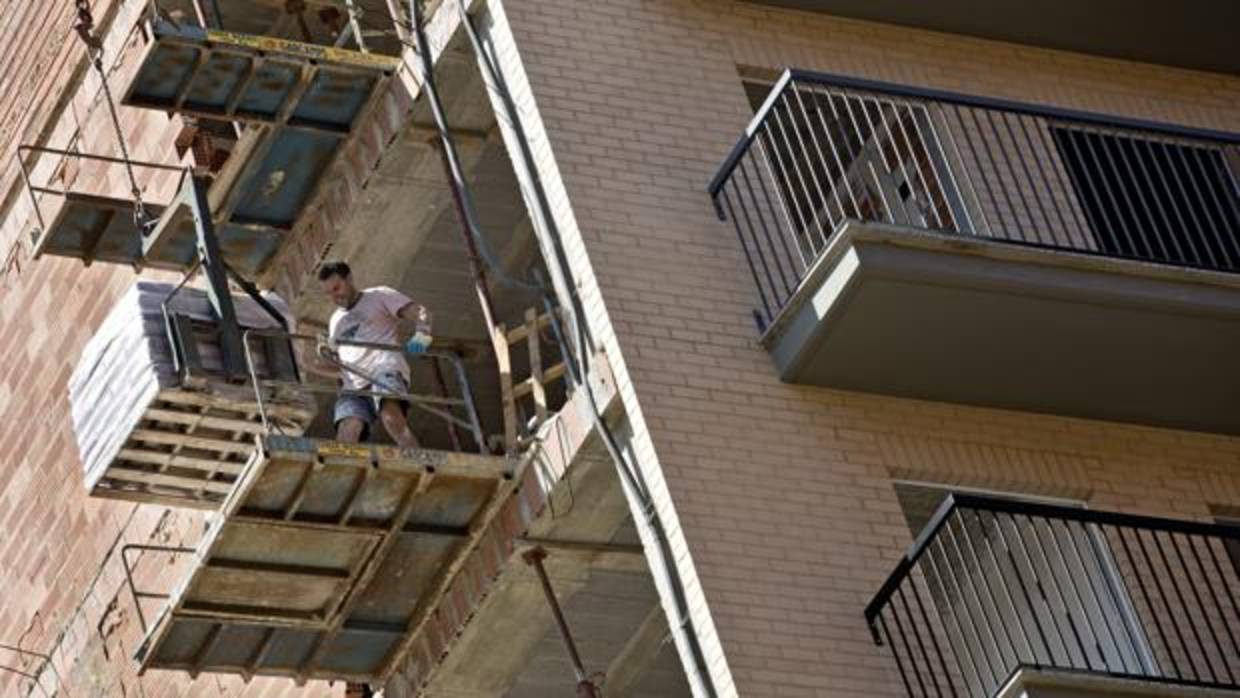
(824, 149)
(992, 586)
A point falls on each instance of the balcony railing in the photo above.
(994, 586)
(824, 149)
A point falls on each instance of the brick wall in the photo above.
(64, 595)
(779, 497)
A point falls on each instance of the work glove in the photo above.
(419, 342)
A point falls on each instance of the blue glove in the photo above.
(418, 343)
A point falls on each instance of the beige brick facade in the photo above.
(787, 519)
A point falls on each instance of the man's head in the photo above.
(337, 281)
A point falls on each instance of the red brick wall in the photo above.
(60, 571)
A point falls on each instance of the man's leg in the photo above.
(353, 414)
(392, 413)
(350, 429)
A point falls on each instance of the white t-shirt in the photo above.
(373, 318)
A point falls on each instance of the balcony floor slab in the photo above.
(901, 311)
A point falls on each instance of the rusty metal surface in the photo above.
(174, 243)
(241, 77)
(322, 559)
(93, 229)
(308, 99)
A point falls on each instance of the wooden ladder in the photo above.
(534, 387)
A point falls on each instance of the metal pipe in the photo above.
(585, 688)
(133, 590)
(355, 25)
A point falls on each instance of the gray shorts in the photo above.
(366, 407)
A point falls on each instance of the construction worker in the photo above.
(374, 316)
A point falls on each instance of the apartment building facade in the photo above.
(914, 333)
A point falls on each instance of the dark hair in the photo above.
(330, 269)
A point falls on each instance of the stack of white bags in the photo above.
(129, 361)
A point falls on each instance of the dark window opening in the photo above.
(1155, 200)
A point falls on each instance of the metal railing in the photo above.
(443, 406)
(825, 149)
(992, 586)
(73, 169)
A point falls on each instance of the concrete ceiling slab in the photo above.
(1194, 34)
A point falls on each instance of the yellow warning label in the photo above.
(312, 52)
(340, 448)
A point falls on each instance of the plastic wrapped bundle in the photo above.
(145, 433)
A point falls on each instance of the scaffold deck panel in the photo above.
(93, 229)
(240, 77)
(325, 558)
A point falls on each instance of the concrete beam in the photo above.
(612, 557)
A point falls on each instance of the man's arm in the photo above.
(417, 314)
(420, 317)
(322, 362)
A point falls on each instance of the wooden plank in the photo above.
(190, 484)
(201, 420)
(102, 491)
(176, 460)
(525, 387)
(537, 390)
(508, 400)
(199, 442)
(519, 333)
(238, 399)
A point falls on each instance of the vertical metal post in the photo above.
(585, 688)
(355, 26)
(441, 387)
(232, 353)
(212, 20)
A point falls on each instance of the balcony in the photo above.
(996, 592)
(944, 247)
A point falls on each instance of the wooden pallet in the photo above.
(191, 445)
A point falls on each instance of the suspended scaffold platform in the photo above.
(298, 103)
(326, 559)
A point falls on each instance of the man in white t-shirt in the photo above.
(373, 316)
